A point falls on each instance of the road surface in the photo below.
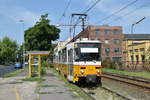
(6, 69)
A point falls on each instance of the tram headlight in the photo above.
(82, 71)
(98, 71)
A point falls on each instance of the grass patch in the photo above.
(137, 74)
(13, 73)
(73, 86)
(34, 79)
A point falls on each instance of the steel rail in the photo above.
(91, 97)
(141, 82)
(109, 90)
(118, 94)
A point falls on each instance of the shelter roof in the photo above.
(36, 53)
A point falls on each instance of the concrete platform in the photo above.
(55, 89)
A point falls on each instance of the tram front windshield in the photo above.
(87, 52)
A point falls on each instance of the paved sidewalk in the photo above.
(14, 88)
(55, 89)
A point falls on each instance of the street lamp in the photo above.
(22, 21)
(132, 33)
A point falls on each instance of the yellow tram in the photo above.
(80, 60)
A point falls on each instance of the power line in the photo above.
(94, 4)
(65, 25)
(129, 13)
(123, 8)
(87, 6)
(84, 12)
(64, 13)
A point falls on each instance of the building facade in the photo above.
(111, 38)
(135, 48)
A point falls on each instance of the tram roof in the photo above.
(81, 41)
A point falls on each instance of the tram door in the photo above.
(70, 64)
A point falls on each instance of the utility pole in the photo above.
(83, 22)
(23, 44)
(132, 33)
(82, 17)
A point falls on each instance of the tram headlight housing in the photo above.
(82, 71)
(98, 71)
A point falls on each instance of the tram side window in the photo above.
(76, 57)
(64, 55)
(59, 57)
(70, 55)
(54, 59)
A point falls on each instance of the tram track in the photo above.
(140, 82)
(128, 80)
(118, 94)
(90, 96)
(93, 93)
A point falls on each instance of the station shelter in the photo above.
(35, 62)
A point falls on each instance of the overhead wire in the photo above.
(90, 8)
(93, 5)
(131, 12)
(118, 11)
(87, 6)
(86, 11)
(65, 10)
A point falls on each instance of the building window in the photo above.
(117, 50)
(137, 59)
(107, 51)
(99, 39)
(142, 49)
(107, 31)
(97, 31)
(136, 50)
(130, 51)
(132, 59)
(106, 41)
(143, 59)
(116, 59)
(116, 31)
(117, 41)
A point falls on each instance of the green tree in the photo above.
(20, 53)
(8, 50)
(40, 36)
(51, 55)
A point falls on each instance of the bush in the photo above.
(111, 64)
(108, 63)
(43, 70)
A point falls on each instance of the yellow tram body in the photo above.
(77, 69)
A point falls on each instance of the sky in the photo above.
(12, 11)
